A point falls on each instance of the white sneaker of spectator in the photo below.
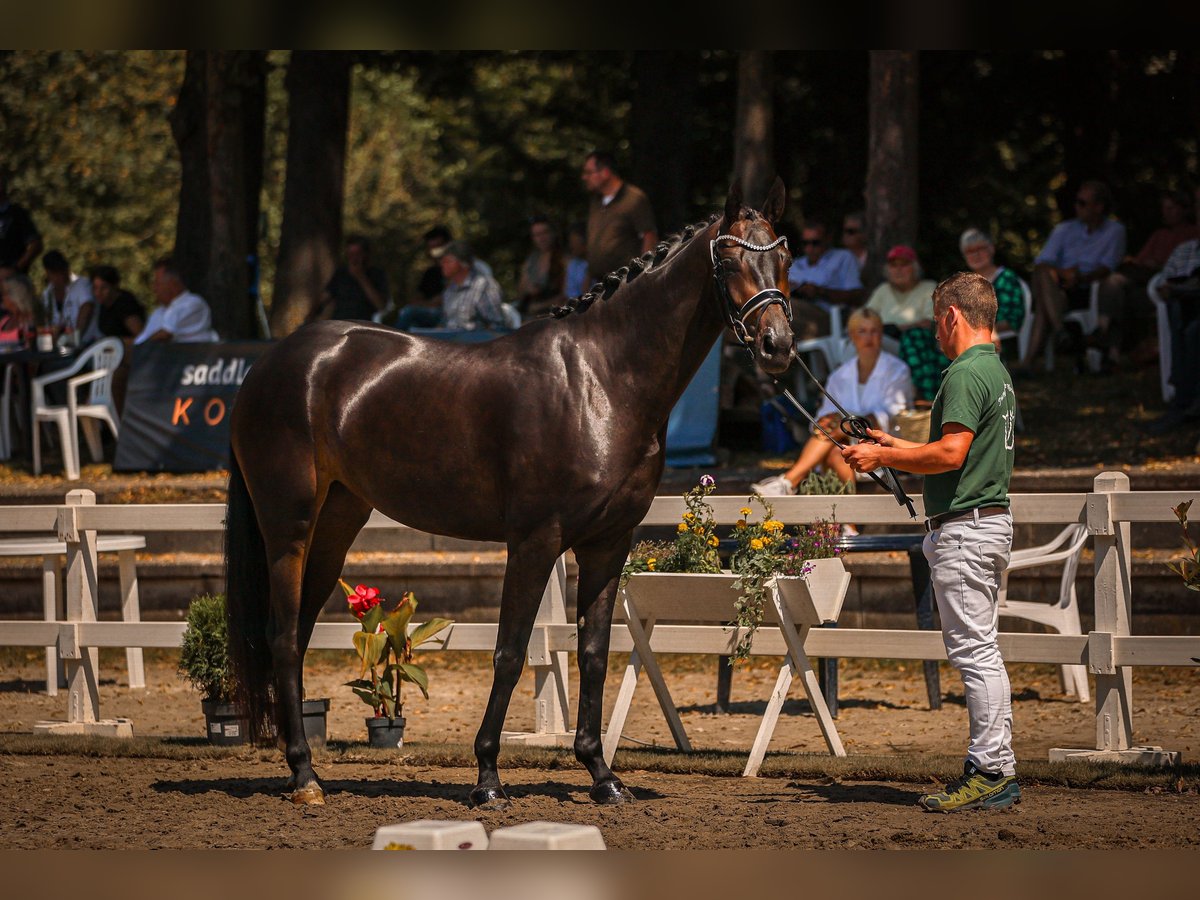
(775, 486)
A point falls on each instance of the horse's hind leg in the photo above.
(599, 575)
(340, 518)
(529, 566)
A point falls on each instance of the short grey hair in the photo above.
(973, 236)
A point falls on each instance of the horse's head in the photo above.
(750, 264)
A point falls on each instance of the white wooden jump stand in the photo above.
(82, 668)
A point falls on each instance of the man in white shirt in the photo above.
(181, 316)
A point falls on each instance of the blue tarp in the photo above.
(692, 427)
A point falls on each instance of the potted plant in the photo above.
(204, 661)
(804, 568)
(385, 651)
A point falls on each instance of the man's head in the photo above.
(106, 284)
(903, 267)
(600, 174)
(456, 261)
(854, 232)
(168, 281)
(58, 271)
(814, 240)
(965, 303)
(435, 239)
(1093, 202)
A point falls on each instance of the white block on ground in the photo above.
(547, 836)
(114, 728)
(431, 834)
(1134, 756)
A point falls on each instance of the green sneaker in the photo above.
(974, 791)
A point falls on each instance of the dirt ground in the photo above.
(80, 797)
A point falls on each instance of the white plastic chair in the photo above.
(1164, 338)
(103, 357)
(1026, 329)
(1062, 613)
(8, 404)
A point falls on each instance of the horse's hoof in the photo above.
(610, 793)
(489, 798)
(309, 795)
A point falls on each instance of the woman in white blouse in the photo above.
(875, 384)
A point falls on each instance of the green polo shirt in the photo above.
(976, 392)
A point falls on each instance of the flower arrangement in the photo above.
(385, 647)
(762, 552)
(1186, 567)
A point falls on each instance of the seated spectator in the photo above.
(20, 241)
(471, 299)
(356, 290)
(821, 276)
(1180, 288)
(1123, 293)
(18, 316)
(429, 288)
(68, 300)
(980, 255)
(181, 316)
(120, 313)
(577, 268)
(854, 237)
(905, 304)
(875, 385)
(1079, 252)
(542, 283)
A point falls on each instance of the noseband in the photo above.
(737, 318)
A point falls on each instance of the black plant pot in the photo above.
(385, 733)
(315, 712)
(225, 723)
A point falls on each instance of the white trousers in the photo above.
(966, 559)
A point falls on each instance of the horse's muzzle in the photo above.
(773, 347)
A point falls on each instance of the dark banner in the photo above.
(177, 405)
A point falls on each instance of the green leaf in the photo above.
(395, 624)
(370, 622)
(367, 697)
(370, 647)
(415, 674)
(427, 630)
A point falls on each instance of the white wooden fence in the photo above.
(1109, 651)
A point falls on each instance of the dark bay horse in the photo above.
(548, 439)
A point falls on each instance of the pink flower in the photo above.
(363, 600)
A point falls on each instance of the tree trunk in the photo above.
(891, 191)
(754, 137)
(193, 224)
(660, 132)
(318, 84)
(234, 79)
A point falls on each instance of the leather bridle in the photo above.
(737, 317)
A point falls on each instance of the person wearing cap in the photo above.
(471, 298)
(819, 277)
(357, 289)
(905, 303)
(967, 464)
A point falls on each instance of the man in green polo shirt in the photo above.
(967, 464)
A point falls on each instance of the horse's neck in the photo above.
(661, 325)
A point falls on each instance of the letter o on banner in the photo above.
(214, 410)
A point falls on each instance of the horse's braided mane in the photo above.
(607, 286)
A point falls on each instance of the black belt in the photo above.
(933, 523)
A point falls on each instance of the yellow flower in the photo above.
(745, 510)
(741, 523)
(689, 516)
(773, 525)
(650, 563)
(713, 542)
(681, 528)
(756, 544)
(697, 530)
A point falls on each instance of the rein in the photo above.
(736, 317)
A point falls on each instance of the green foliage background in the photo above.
(482, 140)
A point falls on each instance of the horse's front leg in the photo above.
(599, 576)
(529, 566)
(287, 652)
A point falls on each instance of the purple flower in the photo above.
(707, 481)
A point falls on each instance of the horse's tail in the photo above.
(247, 606)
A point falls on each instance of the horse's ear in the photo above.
(733, 204)
(776, 199)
